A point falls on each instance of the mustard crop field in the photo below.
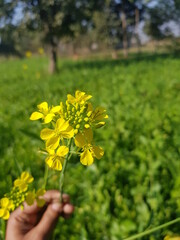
(136, 185)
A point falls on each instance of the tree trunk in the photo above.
(114, 55)
(53, 57)
(136, 29)
(75, 55)
(124, 28)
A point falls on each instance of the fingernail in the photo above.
(57, 207)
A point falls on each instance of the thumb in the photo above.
(49, 219)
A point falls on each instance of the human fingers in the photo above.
(68, 209)
(54, 196)
(21, 222)
(49, 219)
(53, 211)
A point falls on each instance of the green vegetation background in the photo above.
(136, 184)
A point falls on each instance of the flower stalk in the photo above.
(147, 232)
(61, 179)
(45, 176)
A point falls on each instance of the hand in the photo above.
(38, 223)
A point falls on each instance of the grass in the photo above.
(136, 184)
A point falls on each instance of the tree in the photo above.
(126, 16)
(56, 19)
(158, 14)
(7, 29)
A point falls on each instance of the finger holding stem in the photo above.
(61, 179)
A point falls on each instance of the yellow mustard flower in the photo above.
(172, 238)
(40, 201)
(84, 141)
(32, 196)
(55, 159)
(41, 51)
(28, 54)
(6, 206)
(96, 117)
(52, 137)
(23, 181)
(45, 112)
(80, 98)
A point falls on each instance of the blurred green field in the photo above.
(135, 186)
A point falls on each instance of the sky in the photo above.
(18, 16)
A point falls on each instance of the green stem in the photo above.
(45, 176)
(73, 152)
(61, 179)
(19, 169)
(3, 229)
(139, 235)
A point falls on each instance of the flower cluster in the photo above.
(28, 53)
(71, 122)
(70, 125)
(18, 194)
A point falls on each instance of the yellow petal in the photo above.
(43, 106)
(89, 113)
(40, 202)
(100, 124)
(88, 97)
(61, 124)
(80, 140)
(11, 205)
(57, 165)
(90, 107)
(1, 212)
(36, 115)
(172, 238)
(50, 151)
(26, 177)
(49, 161)
(99, 113)
(79, 94)
(62, 151)
(55, 109)
(30, 198)
(49, 118)
(88, 135)
(68, 133)
(17, 182)
(6, 215)
(70, 98)
(21, 185)
(75, 131)
(4, 202)
(46, 133)
(53, 142)
(81, 97)
(86, 158)
(98, 152)
(40, 192)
